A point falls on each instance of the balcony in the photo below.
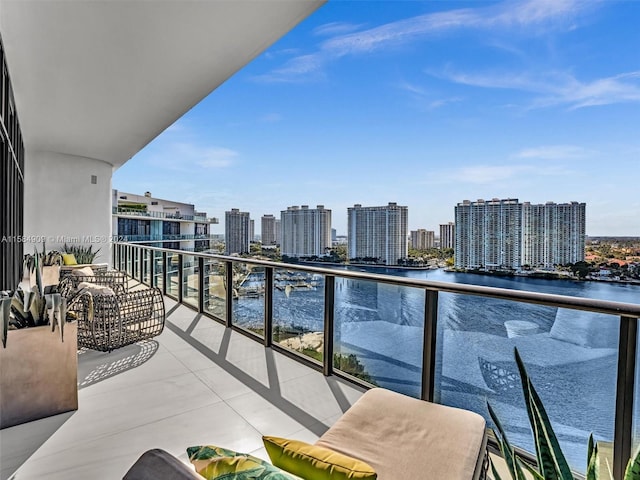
(235, 363)
(169, 237)
(134, 212)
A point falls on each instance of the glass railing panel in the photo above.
(128, 265)
(298, 312)
(146, 266)
(172, 274)
(190, 280)
(571, 357)
(135, 263)
(215, 290)
(158, 269)
(248, 297)
(378, 333)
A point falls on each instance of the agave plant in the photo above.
(552, 464)
(83, 255)
(30, 306)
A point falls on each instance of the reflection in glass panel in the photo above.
(298, 311)
(146, 269)
(215, 291)
(379, 333)
(571, 357)
(190, 280)
(158, 269)
(248, 297)
(172, 274)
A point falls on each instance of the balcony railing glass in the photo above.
(190, 281)
(437, 341)
(173, 216)
(298, 312)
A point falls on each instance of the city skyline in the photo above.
(420, 103)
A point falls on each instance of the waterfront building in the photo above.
(447, 235)
(305, 231)
(268, 229)
(278, 231)
(378, 232)
(553, 234)
(488, 234)
(422, 239)
(237, 233)
(507, 234)
(160, 223)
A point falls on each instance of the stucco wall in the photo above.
(63, 205)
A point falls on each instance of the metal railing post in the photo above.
(165, 274)
(180, 262)
(201, 284)
(268, 306)
(429, 345)
(152, 268)
(623, 430)
(329, 303)
(229, 293)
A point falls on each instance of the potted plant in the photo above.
(38, 377)
(551, 461)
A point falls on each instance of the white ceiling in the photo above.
(102, 78)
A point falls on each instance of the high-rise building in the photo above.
(447, 235)
(553, 234)
(160, 223)
(498, 234)
(305, 231)
(252, 230)
(422, 239)
(488, 234)
(268, 229)
(236, 231)
(278, 231)
(378, 233)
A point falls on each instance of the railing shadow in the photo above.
(270, 392)
(94, 367)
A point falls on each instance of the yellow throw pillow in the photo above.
(315, 463)
(69, 259)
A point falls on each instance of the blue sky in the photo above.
(421, 103)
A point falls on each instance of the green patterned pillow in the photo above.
(217, 463)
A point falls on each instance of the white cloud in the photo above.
(556, 88)
(335, 28)
(504, 15)
(554, 152)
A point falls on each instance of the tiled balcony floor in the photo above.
(197, 383)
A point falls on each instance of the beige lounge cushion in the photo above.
(402, 437)
(95, 289)
(83, 271)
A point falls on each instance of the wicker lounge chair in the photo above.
(108, 316)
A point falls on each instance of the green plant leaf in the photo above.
(5, 309)
(494, 471)
(632, 472)
(506, 450)
(534, 473)
(593, 461)
(551, 460)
